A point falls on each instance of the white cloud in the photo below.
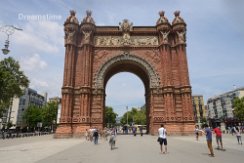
(33, 63)
(42, 36)
(36, 83)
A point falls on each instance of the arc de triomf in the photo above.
(156, 54)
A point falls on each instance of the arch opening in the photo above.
(126, 91)
(134, 68)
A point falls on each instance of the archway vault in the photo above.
(127, 63)
(156, 54)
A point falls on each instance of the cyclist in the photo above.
(112, 138)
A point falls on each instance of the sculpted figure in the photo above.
(69, 35)
(125, 26)
(86, 36)
(181, 36)
(165, 36)
(126, 39)
(154, 41)
(114, 41)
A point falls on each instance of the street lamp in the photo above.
(8, 30)
(127, 114)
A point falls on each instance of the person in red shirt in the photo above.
(218, 133)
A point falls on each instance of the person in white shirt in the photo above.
(238, 135)
(162, 139)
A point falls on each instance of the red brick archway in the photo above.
(156, 54)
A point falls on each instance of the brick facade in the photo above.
(156, 54)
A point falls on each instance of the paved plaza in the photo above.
(129, 149)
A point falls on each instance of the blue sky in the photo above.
(215, 41)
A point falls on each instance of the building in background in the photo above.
(15, 113)
(220, 108)
(198, 109)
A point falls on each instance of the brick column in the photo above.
(71, 31)
(179, 29)
(85, 58)
(165, 40)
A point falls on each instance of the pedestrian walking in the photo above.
(87, 135)
(95, 135)
(162, 139)
(3, 134)
(134, 130)
(208, 133)
(112, 139)
(238, 135)
(197, 132)
(141, 130)
(218, 134)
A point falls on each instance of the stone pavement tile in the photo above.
(32, 152)
(129, 149)
(144, 150)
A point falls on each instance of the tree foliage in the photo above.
(46, 114)
(49, 113)
(12, 79)
(32, 116)
(135, 116)
(110, 115)
(239, 108)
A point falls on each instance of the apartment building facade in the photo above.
(220, 108)
(198, 109)
(20, 104)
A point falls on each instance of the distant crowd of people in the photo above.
(93, 135)
(218, 135)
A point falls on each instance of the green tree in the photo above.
(123, 120)
(110, 115)
(49, 113)
(9, 124)
(12, 79)
(140, 118)
(136, 116)
(32, 116)
(239, 108)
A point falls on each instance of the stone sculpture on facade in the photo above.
(181, 36)
(71, 25)
(125, 26)
(162, 18)
(88, 18)
(72, 18)
(165, 36)
(177, 18)
(87, 36)
(70, 34)
(179, 26)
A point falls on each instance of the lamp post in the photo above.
(8, 30)
(127, 114)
